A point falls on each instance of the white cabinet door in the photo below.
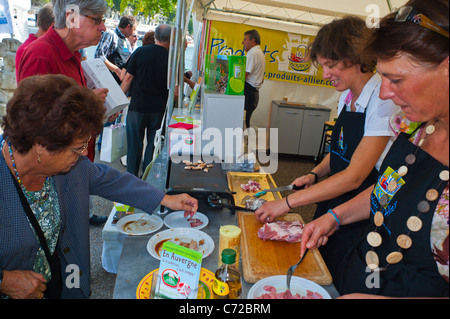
(312, 132)
(289, 124)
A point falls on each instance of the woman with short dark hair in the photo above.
(360, 138)
(45, 182)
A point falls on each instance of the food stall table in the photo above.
(136, 262)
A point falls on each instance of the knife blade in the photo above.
(279, 189)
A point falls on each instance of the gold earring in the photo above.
(39, 158)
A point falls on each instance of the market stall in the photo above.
(139, 260)
(294, 24)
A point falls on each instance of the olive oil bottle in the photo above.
(227, 283)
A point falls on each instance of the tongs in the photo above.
(272, 190)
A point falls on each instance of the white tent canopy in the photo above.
(303, 16)
(294, 16)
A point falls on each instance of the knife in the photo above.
(278, 189)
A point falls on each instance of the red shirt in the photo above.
(50, 55)
(21, 49)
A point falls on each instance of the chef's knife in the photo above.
(278, 189)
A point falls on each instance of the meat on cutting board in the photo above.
(282, 231)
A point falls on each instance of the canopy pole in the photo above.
(389, 5)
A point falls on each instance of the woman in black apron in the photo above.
(402, 215)
(353, 156)
(404, 252)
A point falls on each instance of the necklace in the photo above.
(37, 197)
(414, 223)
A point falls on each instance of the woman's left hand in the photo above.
(271, 210)
(181, 202)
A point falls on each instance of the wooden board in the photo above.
(261, 259)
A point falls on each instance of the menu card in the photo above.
(179, 272)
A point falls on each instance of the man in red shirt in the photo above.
(78, 25)
(45, 20)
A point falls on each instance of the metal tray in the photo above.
(235, 179)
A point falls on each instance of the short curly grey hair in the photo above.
(86, 7)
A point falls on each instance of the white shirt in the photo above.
(256, 66)
(378, 112)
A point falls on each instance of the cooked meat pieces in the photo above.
(290, 232)
(195, 222)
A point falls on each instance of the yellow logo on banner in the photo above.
(285, 52)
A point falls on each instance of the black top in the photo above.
(148, 65)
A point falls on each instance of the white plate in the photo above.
(177, 220)
(298, 285)
(175, 235)
(152, 224)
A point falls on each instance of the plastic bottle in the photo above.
(227, 283)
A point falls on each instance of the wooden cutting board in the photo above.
(261, 259)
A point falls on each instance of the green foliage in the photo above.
(145, 7)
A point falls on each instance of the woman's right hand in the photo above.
(316, 233)
(305, 180)
(23, 284)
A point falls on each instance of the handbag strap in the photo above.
(33, 220)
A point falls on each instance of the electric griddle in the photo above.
(197, 183)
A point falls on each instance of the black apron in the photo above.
(347, 134)
(120, 55)
(417, 274)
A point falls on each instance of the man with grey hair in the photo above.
(45, 20)
(147, 70)
(78, 24)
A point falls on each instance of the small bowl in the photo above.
(299, 286)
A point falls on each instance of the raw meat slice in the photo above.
(251, 186)
(273, 294)
(282, 231)
(254, 203)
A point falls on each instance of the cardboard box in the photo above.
(179, 272)
(98, 76)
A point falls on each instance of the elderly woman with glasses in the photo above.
(405, 252)
(45, 182)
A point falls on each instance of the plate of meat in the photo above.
(177, 220)
(191, 238)
(274, 287)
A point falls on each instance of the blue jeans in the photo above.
(136, 125)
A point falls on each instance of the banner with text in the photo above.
(285, 52)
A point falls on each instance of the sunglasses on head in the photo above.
(408, 13)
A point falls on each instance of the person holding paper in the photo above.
(78, 24)
(45, 176)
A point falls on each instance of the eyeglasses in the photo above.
(82, 149)
(97, 20)
(408, 13)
